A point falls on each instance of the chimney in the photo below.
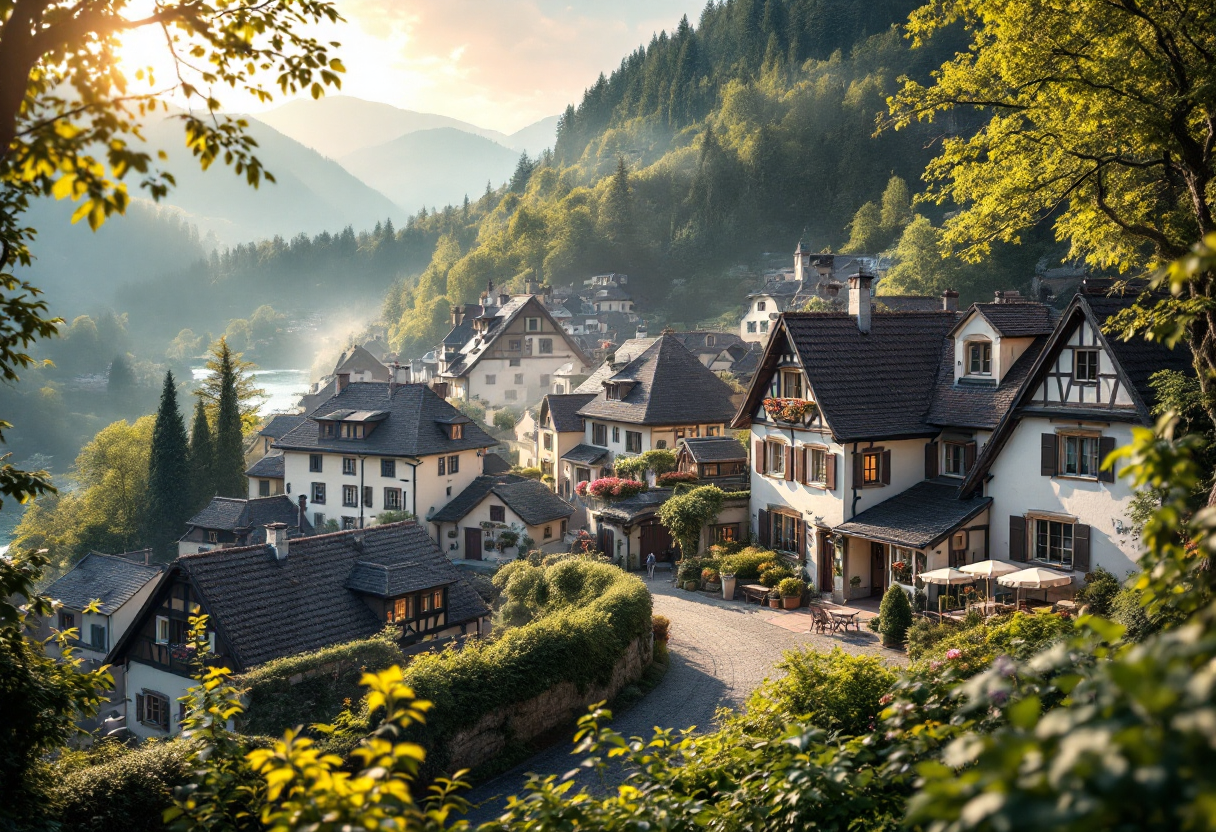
(831, 290)
(343, 381)
(859, 300)
(457, 315)
(949, 301)
(641, 330)
(504, 299)
(276, 536)
(303, 512)
(1008, 296)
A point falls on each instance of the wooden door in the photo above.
(472, 543)
(826, 554)
(655, 538)
(878, 568)
(606, 542)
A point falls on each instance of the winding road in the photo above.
(719, 652)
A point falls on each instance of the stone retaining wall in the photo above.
(559, 705)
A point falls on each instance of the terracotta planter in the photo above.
(791, 602)
(775, 603)
(691, 586)
(728, 587)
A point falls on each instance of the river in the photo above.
(283, 387)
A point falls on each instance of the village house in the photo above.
(629, 530)
(381, 447)
(286, 597)
(559, 429)
(715, 460)
(471, 525)
(504, 351)
(231, 521)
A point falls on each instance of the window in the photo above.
(443, 466)
(633, 441)
(449, 491)
(392, 499)
(546, 346)
(402, 609)
(318, 520)
(367, 496)
(350, 431)
(774, 453)
(956, 459)
(349, 523)
(456, 432)
(563, 528)
(599, 435)
(979, 359)
(791, 384)
(67, 620)
(761, 305)
(162, 629)
(751, 326)
(661, 444)
(533, 324)
(1085, 365)
(726, 534)
(318, 492)
(491, 379)
(710, 469)
(515, 344)
(350, 495)
(453, 464)
(818, 460)
(785, 532)
(498, 514)
(263, 488)
(97, 636)
(544, 381)
(513, 362)
(213, 537)
(388, 468)
(548, 532)
(547, 441)
(616, 434)
(314, 462)
(712, 430)
(764, 326)
(153, 709)
(871, 464)
(546, 467)
(511, 395)
(519, 378)
(1080, 456)
(1053, 542)
(348, 466)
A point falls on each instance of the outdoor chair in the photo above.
(823, 622)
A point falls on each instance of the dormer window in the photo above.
(456, 432)
(791, 384)
(761, 306)
(979, 358)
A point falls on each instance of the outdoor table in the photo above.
(842, 620)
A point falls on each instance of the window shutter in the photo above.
(1106, 446)
(139, 707)
(762, 527)
(800, 464)
(164, 713)
(969, 456)
(930, 460)
(857, 469)
(831, 471)
(800, 528)
(1017, 538)
(1080, 547)
(886, 468)
(1047, 456)
(759, 457)
(789, 462)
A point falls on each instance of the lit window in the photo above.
(712, 430)
(979, 359)
(870, 468)
(457, 432)
(1080, 456)
(1085, 365)
(1053, 542)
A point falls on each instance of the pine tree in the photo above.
(202, 457)
(229, 459)
(616, 214)
(121, 378)
(523, 172)
(168, 506)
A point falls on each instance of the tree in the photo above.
(920, 268)
(616, 211)
(505, 419)
(866, 234)
(896, 208)
(523, 172)
(121, 378)
(201, 476)
(169, 504)
(240, 371)
(229, 460)
(684, 515)
(1107, 130)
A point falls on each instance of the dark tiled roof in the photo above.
(269, 466)
(393, 580)
(231, 513)
(875, 385)
(623, 354)
(356, 359)
(494, 464)
(608, 293)
(411, 429)
(467, 500)
(500, 319)
(1138, 358)
(922, 516)
(969, 405)
(280, 424)
(107, 578)
(909, 303)
(585, 454)
(670, 386)
(530, 499)
(715, 449)
(697, 341)
(1018, 319)
(564, 410)
(636, 507)
(266, 609)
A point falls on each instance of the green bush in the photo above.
(746, 564)
(1099, 592)
(791, 587)
(1126, 609)
(129, 791)
(895, 615)
(924, 634)
(774, 575)
(484, 586)
(1019, 636)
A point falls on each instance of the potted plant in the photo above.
(774, 599)
(901, 571)
(728, 585)
(791, 590)
(854, 585)
(709, 579)
(894, 617)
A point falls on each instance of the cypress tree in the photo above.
(202, 455)
(229, 459)
(168, 506)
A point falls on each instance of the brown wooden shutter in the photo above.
(762, 527)
(1106, 446)
(968, 456)
(800, 531)
(831, 470)
(1080, 547)
(805, 455)
(930, 460)
(139, 707)
(1017, 538)
(800, 464)
(1047, 455)
(789, 462)
(885, 473)
(759, 457)
(857, 469)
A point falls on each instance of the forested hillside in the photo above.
(704, 149)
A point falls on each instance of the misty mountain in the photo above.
(433, 167)
(535, 138)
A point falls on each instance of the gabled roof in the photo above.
(968, 405)
(493, 463)
(1019, 319)
(106, 578)
(564, 409)
(268, 467)
(412, 427)
(875, 385)
(266, 609)
(473, 350)
(918, 518)
(715, 449)
(697, 341)
(280, 424)
(584, 454)
(530, 499)
(231, 513)
(669, 386)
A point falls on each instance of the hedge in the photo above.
(126, 793)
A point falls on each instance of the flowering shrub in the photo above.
(789, 410)
(615, 488)
(675, 477)
(581, 489)
(902, 572)
(709, 575)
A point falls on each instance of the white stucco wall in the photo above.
(531, 368)
(141, 677)
(455, 548)
(756, 316)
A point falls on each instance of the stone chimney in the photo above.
(949, 301)
(302, 513)
(457, 314)
(276, 536)
(343, 381)
(504, 299)
(641, 330)
(1008, 296)
(859, 300)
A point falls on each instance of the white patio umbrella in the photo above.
(947, 575)
(989, 569)
(1036, 577)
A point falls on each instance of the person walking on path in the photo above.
(650, 562)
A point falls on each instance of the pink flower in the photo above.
(954, 653)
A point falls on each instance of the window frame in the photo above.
(498, 514)
(263, 488)
(599, 434)
(770, 469)
(544, 346)
(316, 463)
(532, 324)
(948, 450)
(317, 493)
(491, 379)
(318, 520)
(817, 466)
(350, 496)
(456, 431)
(393, 499)
(633, 441)
(1063, 523)
(867, 469)
(388, 469)
(350, 466)
(1093, 457)
(751, 327)
(161, 633)
(453, 464)
(546, 440)
(791, 384)
(94, 629)
(161, 718)
(761, 306)
(984, 356)
(1096, 368)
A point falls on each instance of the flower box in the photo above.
(792, 411)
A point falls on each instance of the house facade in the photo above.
(629, 530)
(469, 527)
(287, 597)
(226, 522)
(559, 429)
(374, 447)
